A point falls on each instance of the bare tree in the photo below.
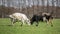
(47, 5)
(19, 5)
(33, 7)
(42, 5)
(53, 8)
(3, 4)
(38, 7)
(8, 3)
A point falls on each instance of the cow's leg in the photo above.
(37, 19)
(47, 22)
(32, 21)
(37, 23)
(28, 23)
(51, 22)
(22, 22)
(13, 21)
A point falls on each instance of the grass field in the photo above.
(43, 28)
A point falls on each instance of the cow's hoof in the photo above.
(10, 25)
(36, 25)
(21, 25)
(51, 25)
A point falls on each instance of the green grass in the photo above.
(43, 28)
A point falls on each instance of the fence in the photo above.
(29, 7)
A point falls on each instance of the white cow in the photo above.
(19, 16)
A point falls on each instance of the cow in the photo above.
(47, 17)
(36, 18)
(19, 16)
